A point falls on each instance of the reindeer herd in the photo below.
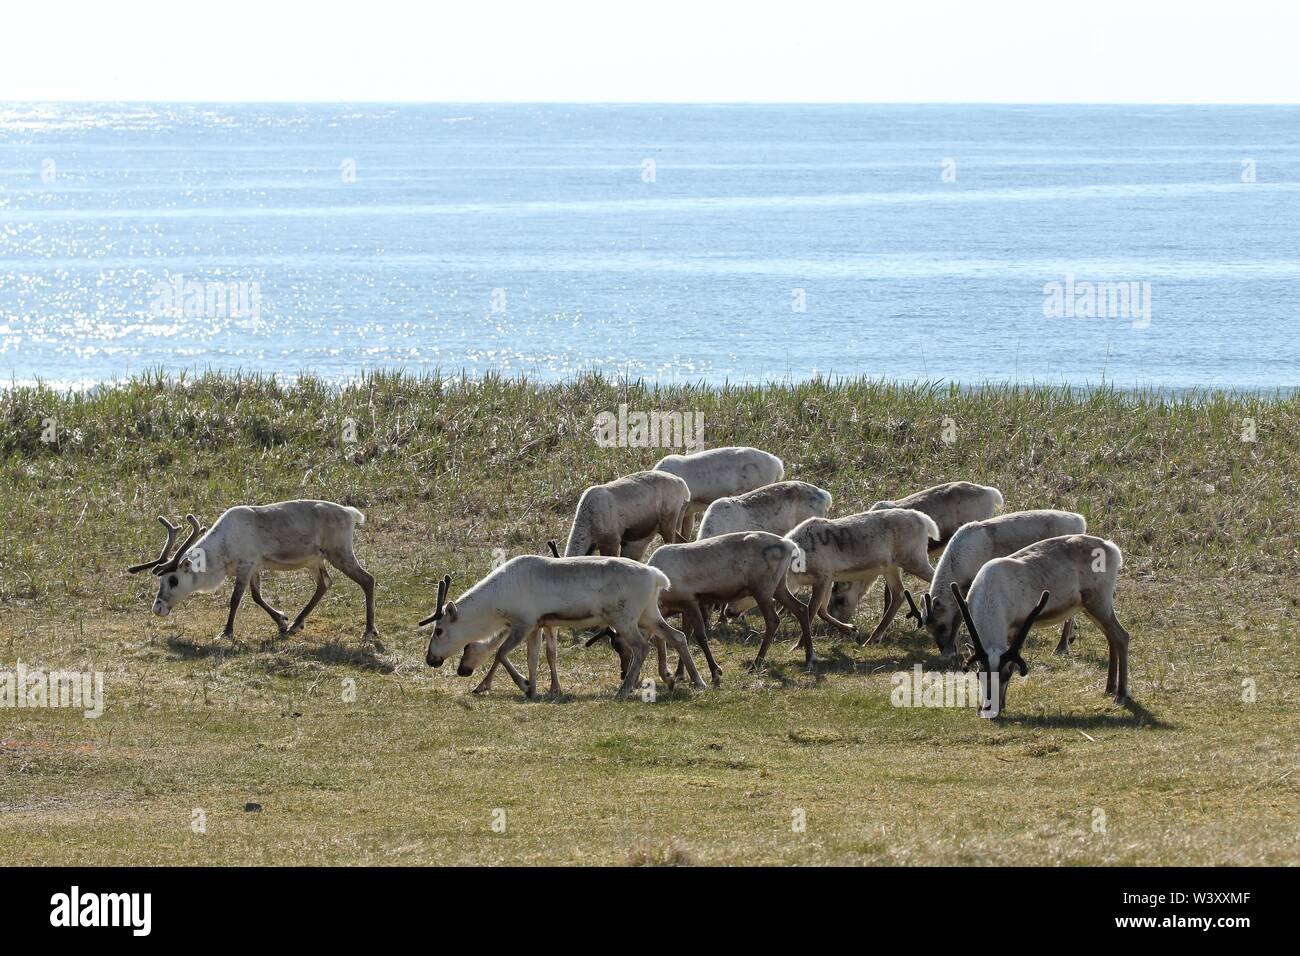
(761, 539)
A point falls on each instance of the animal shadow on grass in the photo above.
(1137, 716)
(363, 655)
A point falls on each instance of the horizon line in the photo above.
(413, 102)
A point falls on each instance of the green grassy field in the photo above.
(358, 756)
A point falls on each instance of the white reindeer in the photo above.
(249, 539)
(860, 547)
(950, 505)
(745, 564)
(717, 473)
(620, 517)
(476, 652)
(531, 592)
(776, 508)
(975, 544)
(1045, 582)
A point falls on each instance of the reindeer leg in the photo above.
(893, 601)
(631, 635)
(661, 651)
(1118, 638)
(821, 594)
(322, 585)
(770, 621)
(348, 564)
(485, 685)
(680, 672)
(1067, 637)
(550, 660)
(517, 635)
(802, 613)
(534, 650)
(665, 633)
(255, 589)
(699, 623)
(241, 583)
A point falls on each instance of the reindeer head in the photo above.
(843, 602)
(999, 665)
(475, 653)
(938, 617)
(176, 571)
(443, 642)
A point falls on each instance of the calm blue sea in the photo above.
(673, 243)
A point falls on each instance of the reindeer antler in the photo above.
(196, 531)
(443, 587)
(555, 549)
(1013, 652)
(978, 653)
(914, 612)
(162, 555)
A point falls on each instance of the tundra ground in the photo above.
(357, 755)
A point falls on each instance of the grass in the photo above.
(358, 756)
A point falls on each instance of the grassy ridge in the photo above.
(447, 471)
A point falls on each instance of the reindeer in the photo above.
(249, 539)
(717, 473)
(622, 516)
(750, 564)
(476, 652)
(532, 592)
(1076, 572)
(776, 508)
(950, 505)
(859, 547)
(974, 545)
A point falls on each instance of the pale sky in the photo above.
(1186, 51)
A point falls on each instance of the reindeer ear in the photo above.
(450, 610)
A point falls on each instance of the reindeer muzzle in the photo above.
(433, 660)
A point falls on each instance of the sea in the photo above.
(1138, 247)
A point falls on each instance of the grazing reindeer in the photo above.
(750, 564)
(974, 545)
(951, 505)
(860, 547)
(532, 592)
(1076, 572)
(477, 652)
(250, 539)
(775, 508)
(622, 516)
(717, 473)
